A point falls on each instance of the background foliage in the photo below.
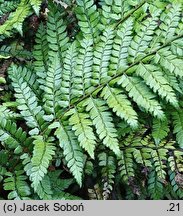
(91, 99)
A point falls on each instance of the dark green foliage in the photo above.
(7, 6)
(104, 105)
(15, 21)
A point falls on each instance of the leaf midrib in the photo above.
(118, 75)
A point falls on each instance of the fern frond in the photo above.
(16, 183)
(6, 113)
(56, 32)
(68, 75)
(26, 161)
(173, 81)
(14, 138)
(88, 17)
(40, 54)
(102, 120)
(44, 188)
(106, 11)
(110, 95)
(169, 23)
(177, 48)
(118, 101)
(138, 147)
(65, 196)
(95, 193)
(178, 126)
(108, 173)
(27, 100)
(170, 62)
(158, 156)
(178, 159)
(16, 19)
(59, 184)
(7, 6)
(154, 77)
(52, 86)
(102, 56)
(36, 4)
(175, 161)
(155, 186)
(126, 167)
(81, 124)
(175, 186)
(120, 8)
(30, 77)
(42, 155)
(113, 10)
(140, 93)
(160, 129)
(120, 47)
(72, 151)
(15, 51)
(83, 70)
(143, 37)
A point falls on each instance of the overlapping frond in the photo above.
(16, 183)
(16, 19)
(178, 125)
(102, 55)
(67, 81)
(88, 18)
(52, 85)
(170, 62)
(102, 120)
(7, 6)
(155, 79)
(170, 19)
(81, 124)
(73, 154)
(40, 53)
(144, 35)
(36, 5)
(56, 32)
(141, 94)
(42, 155)
(108, 171)
(117, 100)
(13, 138)
(27, 100)
(160, 129)
(98, 103)
(120, 47)
(113, 10)
(83, 69)
(14, 51)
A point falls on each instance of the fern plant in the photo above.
(105, 104)
(16, 18)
